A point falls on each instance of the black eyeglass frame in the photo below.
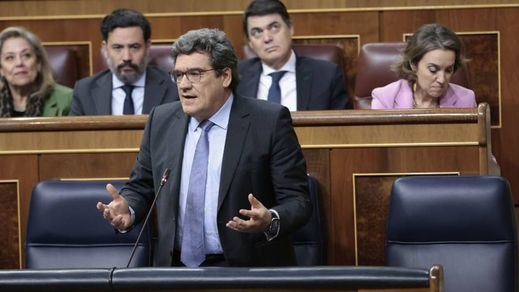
(193, 75)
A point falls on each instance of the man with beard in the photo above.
(129, 86)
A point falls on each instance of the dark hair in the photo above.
(125, 18)
(428, 37)
(265, 7)
(216, 44)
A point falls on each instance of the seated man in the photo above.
(277, 74)
(129, 86)
(238, 185)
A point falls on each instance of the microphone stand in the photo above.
(162, 183)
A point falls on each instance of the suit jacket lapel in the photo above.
(404, 96)
(153, 91)
(236, 133)
(50, 107)
(303, 84)
(102, 95)
(250, 80)
(179, 124)
(449, 98)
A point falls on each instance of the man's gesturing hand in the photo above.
(117, 211)
(259, 218)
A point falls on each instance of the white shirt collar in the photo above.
(289, 66)
(220, 118)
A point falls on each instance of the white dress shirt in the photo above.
(118, 95)
(216, 137)
(287, 83)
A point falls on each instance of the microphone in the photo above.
(163, 181)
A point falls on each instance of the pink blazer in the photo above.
(399, 95)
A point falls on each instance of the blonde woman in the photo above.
(27, 88)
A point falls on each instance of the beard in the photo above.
(128, 77)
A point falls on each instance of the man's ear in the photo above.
(104, 49)
(227, 77)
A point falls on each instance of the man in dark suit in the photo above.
(304, 83)
(252, 182)
(129, 86)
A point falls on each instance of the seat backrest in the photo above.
(65, 229)
(159, 56)
(325, 52)
(374, 70)
(308, 240)
(64, 63)
(464, 223)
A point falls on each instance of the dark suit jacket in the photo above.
(93, 95)
(320, 84)
(262, 156)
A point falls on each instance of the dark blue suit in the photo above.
(93, 95)
(261, 156)
(320, 84)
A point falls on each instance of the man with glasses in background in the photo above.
(130, 86)
(238, 185)
(277, 74)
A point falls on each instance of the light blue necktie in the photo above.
(192, 252)
(275, 90)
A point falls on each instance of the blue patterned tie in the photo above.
(193, 250)
(128, 108)
(275, 90)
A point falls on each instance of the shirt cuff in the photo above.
(132, 214)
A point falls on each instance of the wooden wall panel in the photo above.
(68, 31)
(352, 190)
(482, 51)
(24, 170)
(86, 165)
(234, 30)
(30, 8)
(372, 197)
(10, 218)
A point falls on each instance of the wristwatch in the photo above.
(273, 229)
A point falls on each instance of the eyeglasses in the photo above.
(193, 75)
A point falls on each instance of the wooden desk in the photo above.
(355, 156)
